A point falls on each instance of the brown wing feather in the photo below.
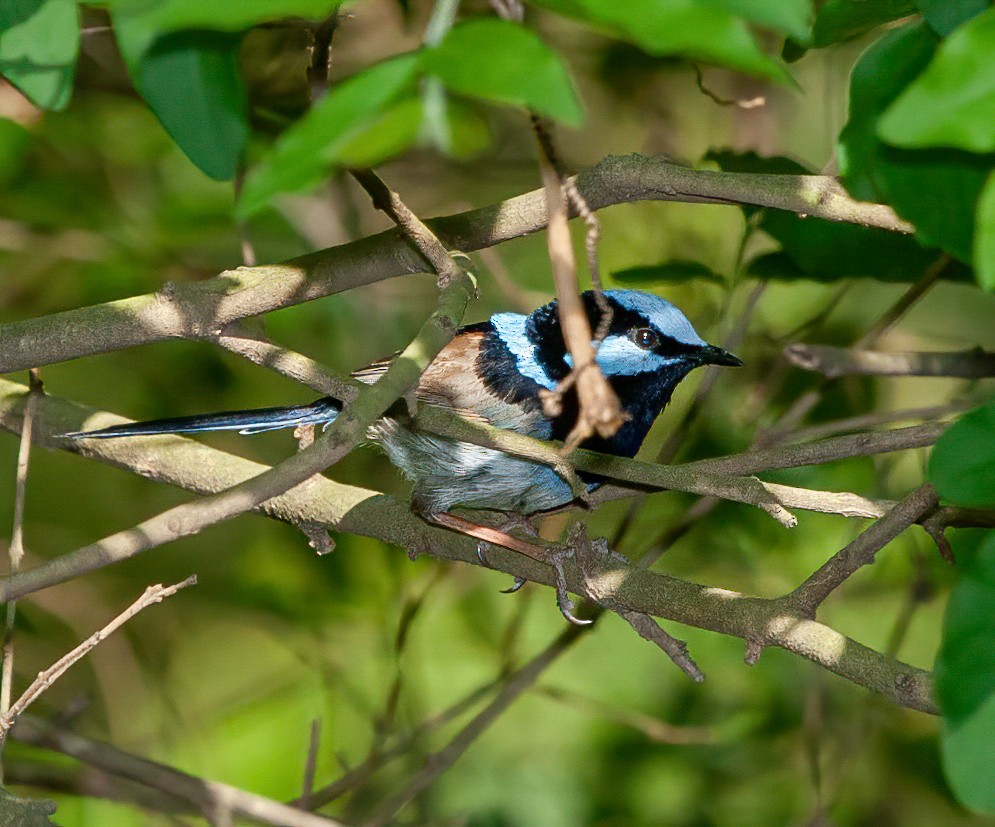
(451, 382)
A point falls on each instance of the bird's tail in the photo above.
(320, 412)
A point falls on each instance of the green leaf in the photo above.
(304, 153)
(962, 464)
(965, 679)
(831, 250)
(984, 236)
(840, 20)
(39, 42)
(952, 103)
(389, 134)
(670, 272)
(694, 29)
(936, 190)
(502, 61)
(943, 16)
(191, 81)
(172, 15)
(790, 17)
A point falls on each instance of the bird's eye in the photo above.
(646, 338)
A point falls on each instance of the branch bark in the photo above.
(204, 309)
(837, 361)
(194, 466)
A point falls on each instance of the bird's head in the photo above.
(647, 338)
(650, 346)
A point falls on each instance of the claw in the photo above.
(519, 582)
(482, 547)
(563, 601)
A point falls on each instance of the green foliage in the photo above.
(984, 239)
(943, 16)
(669, 272)
(841, 20)
(965, 677)
(504, 62)
(957, 90)
(714, 32)
(173, 15)
(191, 81)
(875, 171)
(304, 153)
(39, 41)
(962, 465)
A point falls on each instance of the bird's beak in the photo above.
(712, 355)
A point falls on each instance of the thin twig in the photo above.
(835, 361)
(214, 800)
(676, 650)
(310, 765)
(862, 551)
(598, 407)
(16, 550)
(439, 762)
(45, 678)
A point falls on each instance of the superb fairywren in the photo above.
(494, 372)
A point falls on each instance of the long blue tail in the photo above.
(319, 412)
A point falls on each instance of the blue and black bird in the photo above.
(493, 372)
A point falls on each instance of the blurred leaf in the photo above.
(943, 16)
(469, 134)
(952, 103)
(694, 29)
(936, 190)
(840, 20)
(671, 272)
(502, 61)
(172, 15)
(965, 680)
(303, 154)
(387, 135)
(790, 17)
(39, 42)
(984, 236)
(962, 464)
(731, 161)
(191, 82)
(830, 250)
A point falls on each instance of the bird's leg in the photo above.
(512, 520)
(497, 537)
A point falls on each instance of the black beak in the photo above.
(712, 355)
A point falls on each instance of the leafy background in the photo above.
(117, 156)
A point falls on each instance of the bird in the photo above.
(496, 372)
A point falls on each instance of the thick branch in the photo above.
(195, 466)
(838, 361)
(205, 308)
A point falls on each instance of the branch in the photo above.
(837, 361)
(45, 678)
(347, 431)
(191, 465)
(216, 801)
(862, 551)
(204, 308)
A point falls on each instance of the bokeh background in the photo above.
(225, 679)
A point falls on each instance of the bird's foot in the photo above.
(482, 548)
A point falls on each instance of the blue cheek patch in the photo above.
(620, 356)
(511, 328)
